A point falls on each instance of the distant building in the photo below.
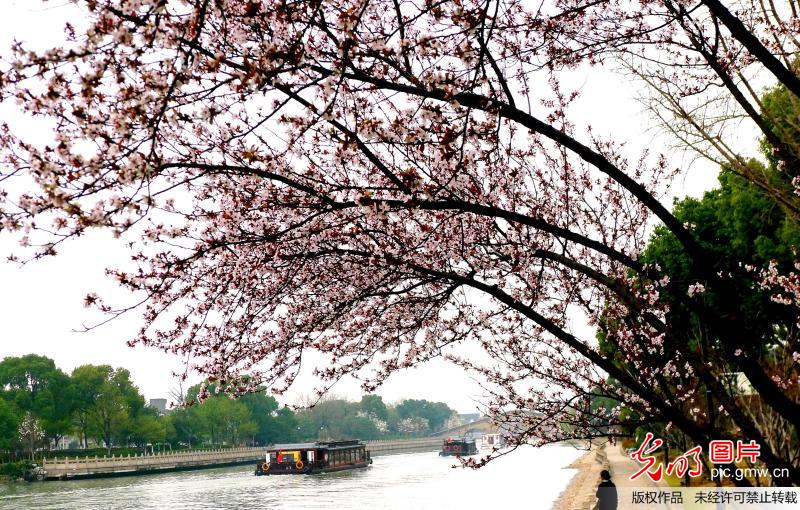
(469, 417)
(457, 420)
(62, 444)
(160, 404)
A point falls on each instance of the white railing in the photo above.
(122, 461)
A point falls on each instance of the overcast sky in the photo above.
(41, 304)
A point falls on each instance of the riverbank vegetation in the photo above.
(751, 238)
(14, 470)
(97, 409)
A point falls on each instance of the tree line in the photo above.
(97, 405)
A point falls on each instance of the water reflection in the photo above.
(530, 477)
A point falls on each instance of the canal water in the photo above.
(529, 478)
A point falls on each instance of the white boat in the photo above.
(489, 441)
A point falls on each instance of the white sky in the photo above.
(41, 304)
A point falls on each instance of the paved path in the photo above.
(622, 467)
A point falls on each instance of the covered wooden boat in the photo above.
(318, 457)
(458, 446)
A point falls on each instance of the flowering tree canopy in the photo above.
(30, 432)
(388, 181)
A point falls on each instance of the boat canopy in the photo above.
(293, 446)
(328, 445)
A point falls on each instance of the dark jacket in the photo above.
(607, 495)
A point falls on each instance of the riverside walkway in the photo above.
(66, 468)
(580, 494)
(622, 467)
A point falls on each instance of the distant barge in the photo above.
(459, 447)
(310, 458)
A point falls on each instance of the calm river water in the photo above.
(529, 478)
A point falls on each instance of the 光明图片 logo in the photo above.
(724, 456)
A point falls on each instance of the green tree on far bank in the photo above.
(101, 403)
(87, 383)
(147, 427)
(374, 406)
(226, 421)
(9, 425)
(34, 384)
(283, 427)
(117, 400)
(274, 422)
(434, 413)
(181, 427)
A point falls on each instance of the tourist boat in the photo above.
(319, 457)
(489, 441)
(458, 446)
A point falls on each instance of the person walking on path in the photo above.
(606, 492)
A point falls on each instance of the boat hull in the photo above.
(315, 470)
(457, 454)
(458, 448)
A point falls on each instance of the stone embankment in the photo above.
(580, 493)
(65, 468)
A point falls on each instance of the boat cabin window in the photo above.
(288, 457)
(345, 456)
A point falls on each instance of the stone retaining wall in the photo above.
(580, 493)
(60, 468)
